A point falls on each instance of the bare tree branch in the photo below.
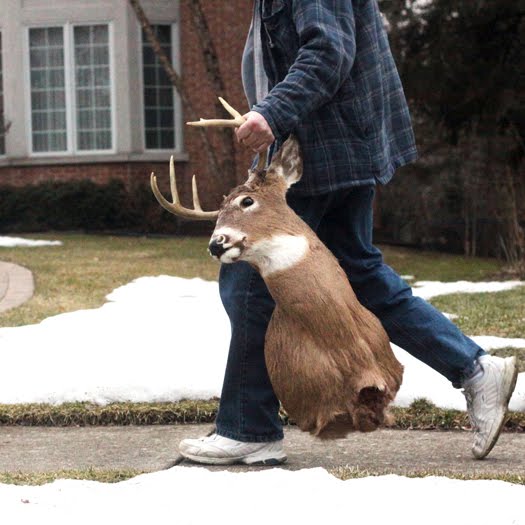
(215, 77)
(4, 128)
(175, 79)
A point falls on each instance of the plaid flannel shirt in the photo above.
(334, 84)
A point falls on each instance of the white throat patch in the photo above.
(278, 253)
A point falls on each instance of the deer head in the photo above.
(254, 219)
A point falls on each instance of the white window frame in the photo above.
(4, 153)
(177, 104)
(69, 75)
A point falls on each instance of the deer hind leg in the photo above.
(370, 408)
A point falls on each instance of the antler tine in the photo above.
(175, 207)
(233, 112)
(173, 183)
(236, 122)
(263, 161)
(195, 193)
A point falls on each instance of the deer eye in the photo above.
(246, 202)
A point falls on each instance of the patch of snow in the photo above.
(419, 6)
(491, 342)
(429, 289)
(157, 339)
(160, 339)
(13, 242)
(304, 496)
(421, 381)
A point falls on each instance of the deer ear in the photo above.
(288, 162)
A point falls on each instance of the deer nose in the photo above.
(216, 246)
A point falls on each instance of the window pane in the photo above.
(101, 54)
(48, 95)
(82, 55)
(152, 140)
(102, 120)
(103, 140)
(38, 58)
(166, 119)
(92, 87)
(55, 57)
(55, 37)
(151, 119)
(158, 96)
(56, 77)
(86, 119)
(84, 98)
(38, 38)
(39, 121)
(101, 76)
(102, 98)
(40, 142)
(2, 120)
(57, 142)
(100, 35)
(86, 140)
(166, 139)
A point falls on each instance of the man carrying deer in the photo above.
(323, 70)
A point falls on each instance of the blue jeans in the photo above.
(343, 221)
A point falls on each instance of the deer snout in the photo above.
(217, 245)
(227, 245)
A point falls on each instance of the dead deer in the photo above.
(329, 358)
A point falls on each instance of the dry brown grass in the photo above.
(344, 473)
(421, 415)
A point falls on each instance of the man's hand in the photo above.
(255, 133)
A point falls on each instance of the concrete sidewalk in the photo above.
(16, 285)
(149, 448)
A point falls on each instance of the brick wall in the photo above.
(228, 23)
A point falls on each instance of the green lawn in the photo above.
(437, 266)
(501, 313)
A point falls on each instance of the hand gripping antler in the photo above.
(236, 122)
(175, 207)
(197, 213)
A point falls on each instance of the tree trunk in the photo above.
(177, 83)
(215, 78)
(4, 128)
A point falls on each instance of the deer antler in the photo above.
(236, 122)
(176, 207)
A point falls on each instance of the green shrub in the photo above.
(83, 205)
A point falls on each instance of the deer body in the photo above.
(329, 359)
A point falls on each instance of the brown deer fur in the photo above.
(329, 358)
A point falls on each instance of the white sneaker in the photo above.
(488, 397)
(219, 450)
